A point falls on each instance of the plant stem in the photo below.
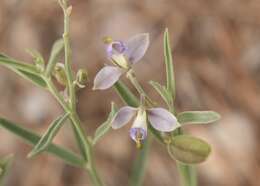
(67, 49)
(84, 144)
(187, 173)
(88, 154)
(131, 76)
(138, 171)
(140, 164)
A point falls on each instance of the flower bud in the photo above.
(60, 74)
(82, 78)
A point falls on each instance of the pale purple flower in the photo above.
(160, 119)
(122, 55)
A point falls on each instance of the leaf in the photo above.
(14, 64)
(169, 64)
(188, 149)
(48, 136)
(197, 117)
(31, 138)
(37, 80)
(5, 164)
(125, 94)
(106, 126)
(56, 51)
(26, 71)
(162, 91)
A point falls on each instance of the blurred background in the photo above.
(216, 49)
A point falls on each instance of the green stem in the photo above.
(84, 144)
(67, 49)
(87, 153)
(187, 173)
(131, 76)
(140, 164)
(138, 171)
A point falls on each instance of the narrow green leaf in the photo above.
(56, 51)
(26, 71)
(106, 126)
(188, 149)
(37, 80)
(169, 65)
(162, 91)
(197, 117)
(31, 138)
(48, 136)
(14, 64)
(126, 95)
(5, 164)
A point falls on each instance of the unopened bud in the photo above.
(82, 78)
(60, 74)
(38, 59)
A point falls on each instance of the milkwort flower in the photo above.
(122, 55)
(160, 119)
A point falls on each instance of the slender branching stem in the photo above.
(70, 107)
(89, 164)
(131, 76)
(68, 66)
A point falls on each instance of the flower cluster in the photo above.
(160, 119)
(123, 55)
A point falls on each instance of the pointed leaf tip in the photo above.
(48, 136)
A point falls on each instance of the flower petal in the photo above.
(122, 117)
(135, 132)
(116, 47)
(107, 77)
(136, 47)
(162, 119)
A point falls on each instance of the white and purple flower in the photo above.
(160, 119)
(122, 55)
